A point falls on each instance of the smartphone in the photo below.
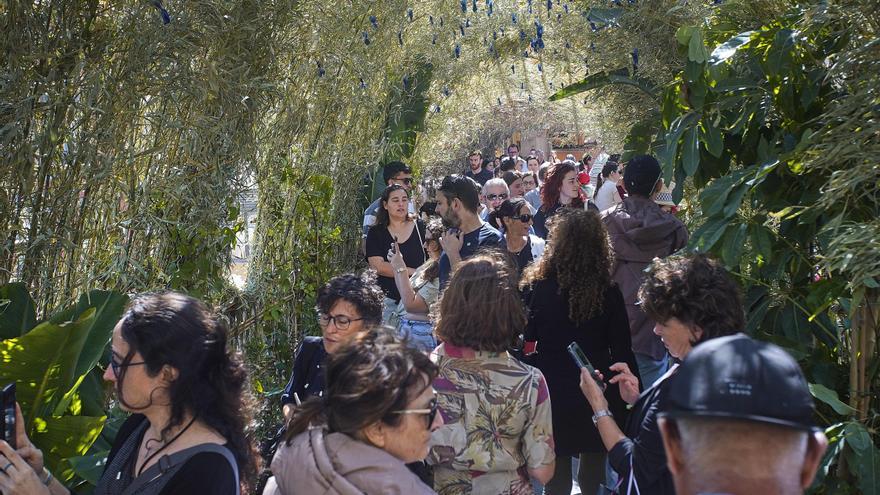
(7, 402)
(580, 359)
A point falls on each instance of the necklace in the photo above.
(175, 437)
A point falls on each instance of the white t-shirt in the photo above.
(607, 196)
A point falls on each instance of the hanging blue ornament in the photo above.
(457, 50)
(491, 46)
(592, 46)
(540, 67)
(366, 38)
(565, 7)
(593, 26)
(525, 53)
(446, 91)
(499, 102)
(441, 21)
(436, 108)
(400, 38)
(409, 13)
(551, 84)
(474, 2)
(513, 17)
(635, 57)
(431, 19)
(166, 18)
(321, 71)
(363, 84)
(461, 28)
(490, 5)
(539, 44)
(374, 22)
(513, 69)
(502, 32)
(405, 83)
(539, 28)
(522, 85)
(522, 35)
(485, 40)
(530, 6)
(558, 17)
(463, 6)
(530, 98)
(467, 23)
(549, 5)
(567, 44)
(434, 39)
(494, 35)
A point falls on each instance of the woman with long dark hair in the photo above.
(561, 189)
(514, 218)
(606, 194)
(377, 414)
(571, 298)
(394, 227)
(171, 368)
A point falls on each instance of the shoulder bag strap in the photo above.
(154, 479)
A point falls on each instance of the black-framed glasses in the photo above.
(341, 321)
(406, 180)
(524, 218)
(493, 197)
(431, 412)
(118, 366)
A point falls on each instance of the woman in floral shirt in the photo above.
(498, 430)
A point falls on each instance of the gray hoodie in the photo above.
(318, 462)
(640, 231)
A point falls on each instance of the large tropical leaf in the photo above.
(17, 314)
(605, 78)
(67, 436)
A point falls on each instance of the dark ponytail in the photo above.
(175, 330)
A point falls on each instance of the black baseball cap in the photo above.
(737, 377)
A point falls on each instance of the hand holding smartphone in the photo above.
(7, 403)
(580, 359)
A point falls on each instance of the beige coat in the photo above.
(318, 462)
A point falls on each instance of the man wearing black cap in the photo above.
(640, 231)
(739, 421)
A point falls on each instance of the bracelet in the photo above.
(48, 476)
(401, 269)
(599, 414)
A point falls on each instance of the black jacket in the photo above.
(307, 378)
(604, 339)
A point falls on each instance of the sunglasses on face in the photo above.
(525, 218)
(407, 180)
(431, 412)
(493, 197)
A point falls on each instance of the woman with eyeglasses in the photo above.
(561, 190)
(419, 292)
(497, 430)
(515, 218)
(395, 228)
(171, 368)
(377, 414)
(572, 298)
(346, 304)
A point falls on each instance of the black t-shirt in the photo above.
(481, 177)
(524, 258)
(379, 241)
(205, 472)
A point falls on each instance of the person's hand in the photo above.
(451, 243)
(32, 455)
(595, 396)
(396, 258)
(16, 476)
(629, 384)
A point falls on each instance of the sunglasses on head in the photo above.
(493, 197)
(525, 218)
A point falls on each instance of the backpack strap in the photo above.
(154, 479)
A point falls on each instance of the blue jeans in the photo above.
(650, 370)
(419, 333)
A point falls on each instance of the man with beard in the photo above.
(476, 171)
(457, 204)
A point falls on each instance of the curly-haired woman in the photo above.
(186, 390)
(561, 189)
(571, 298)
(692, 299)
(496, 409)
(377, 414)
(347, 304)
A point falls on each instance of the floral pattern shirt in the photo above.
(497, 423)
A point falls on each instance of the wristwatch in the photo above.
(599, 414)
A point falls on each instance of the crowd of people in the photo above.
(538, 317)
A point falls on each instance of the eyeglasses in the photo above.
(525, 218)
(431, 411)
(341, 321)
(405, 180)
(115, 366)
(493, 197)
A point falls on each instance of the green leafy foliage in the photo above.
(54, 364)
(742, 122)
